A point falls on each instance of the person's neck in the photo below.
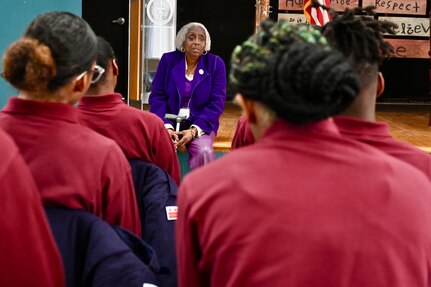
(264, 120)
(43, 97)
(192, 62)
(99, 91)
(363, 107)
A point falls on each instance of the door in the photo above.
(229, 23)
(110, 20)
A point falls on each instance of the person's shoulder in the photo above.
(173, 53)
(138, 119)
(130, 112)
(394, 170)
(94, 142)
(410, 154)
(103, 150)
(148, 118)
(214, 62)
(169, 56)
(6, 143)
(214, 57)
(411, 149)
(8, 151)
(218, 179)
(239, 162)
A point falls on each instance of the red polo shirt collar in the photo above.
(53, 110)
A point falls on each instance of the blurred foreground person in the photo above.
(360, 39)
(52, 65)
(28, 252)
(303, 206)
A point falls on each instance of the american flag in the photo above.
(316, 15)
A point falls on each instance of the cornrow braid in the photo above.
(359, 36)
(250, 59)
(291, 70)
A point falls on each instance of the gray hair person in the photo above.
(190, 85)
(181, 36)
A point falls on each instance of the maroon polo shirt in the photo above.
(140, 134)
(243, 135)
(28, 253)
(377, 135)
(73, 166)
(305, 206)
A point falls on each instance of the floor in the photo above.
(227, 127)
(411, 127)
(406, 124)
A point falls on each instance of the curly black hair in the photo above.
(291, 70)
(359, 36)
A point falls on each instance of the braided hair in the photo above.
(359, 36)
(291, 70)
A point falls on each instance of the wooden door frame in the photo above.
(263, 9)
(135, 49)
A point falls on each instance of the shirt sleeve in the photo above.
(200, 131)
(169, 126)
(158, 98)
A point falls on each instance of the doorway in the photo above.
(228, 22)
(110, 20)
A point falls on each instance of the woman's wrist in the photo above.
(194, 132)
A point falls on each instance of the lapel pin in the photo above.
(201, 72)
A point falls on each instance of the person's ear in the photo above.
(380, 84)
(247, 108)
(76, 89)
(115, 69)
(81, 84)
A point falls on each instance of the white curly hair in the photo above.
(181, 35)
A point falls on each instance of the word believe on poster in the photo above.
(406, 48)
(410, 27)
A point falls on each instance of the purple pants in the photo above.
(201, 151)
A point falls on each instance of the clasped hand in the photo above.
(181, 138)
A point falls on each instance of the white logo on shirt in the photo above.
(172, 212)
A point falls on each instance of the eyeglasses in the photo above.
(97, 74)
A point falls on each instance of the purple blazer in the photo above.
(208, 89)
